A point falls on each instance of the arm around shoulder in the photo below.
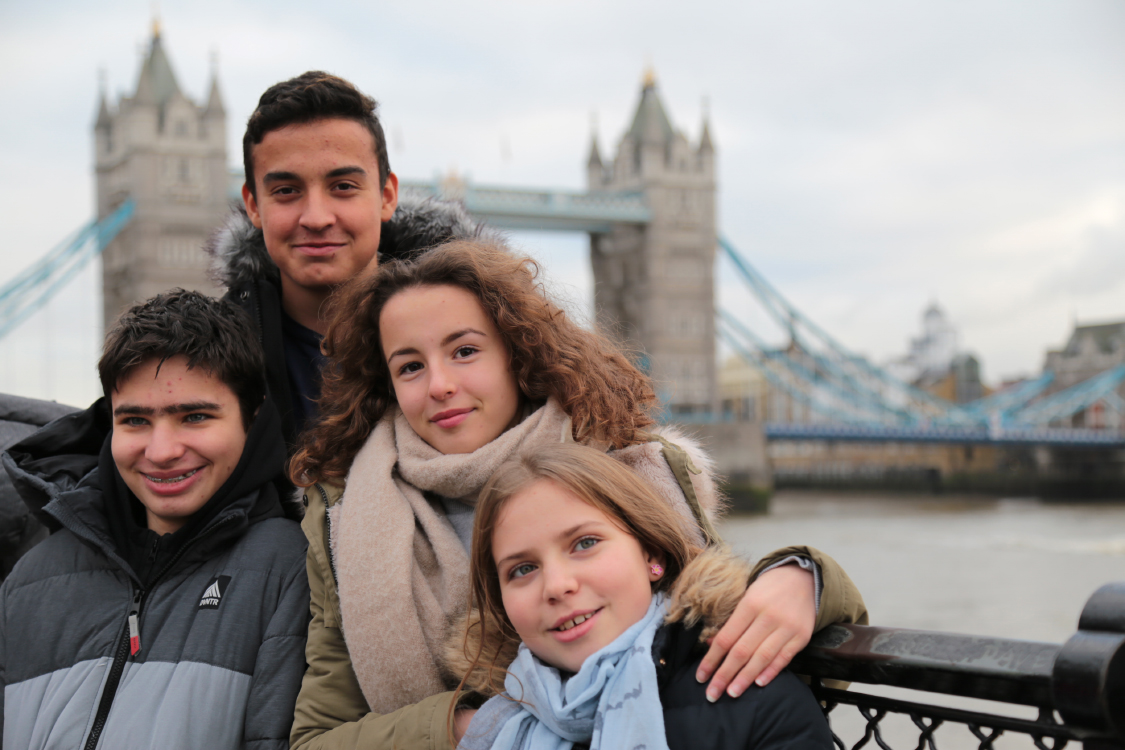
(840, 600)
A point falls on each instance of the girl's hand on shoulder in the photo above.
(771, 624)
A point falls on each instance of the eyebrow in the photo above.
(279, 177)
(345, 171)
(444, 342)
(294, 177)
(148, 411)
(563, 535)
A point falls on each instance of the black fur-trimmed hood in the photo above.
(238, 251)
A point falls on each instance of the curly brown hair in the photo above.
(607, 398)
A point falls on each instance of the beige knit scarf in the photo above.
(402, 571)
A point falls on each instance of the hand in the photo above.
(461, 719)
(771, 624)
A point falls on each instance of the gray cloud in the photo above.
(873, 155)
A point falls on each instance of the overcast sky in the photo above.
(873, 156)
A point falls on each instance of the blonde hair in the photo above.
(490, 641)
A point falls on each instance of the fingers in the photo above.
(771, 623)
(781, 661)
(752, 653)
(738, 624)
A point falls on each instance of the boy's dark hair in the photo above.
(311, 96)
(214, 334)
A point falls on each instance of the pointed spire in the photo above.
(651, 123)
(146, 90)
(104, 119)
(215, 98)
(156, 83)
(706, 146)
(595, 159)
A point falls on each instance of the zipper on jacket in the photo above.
(328, 535)
(110, 691)
(134, 623)
(130, 643)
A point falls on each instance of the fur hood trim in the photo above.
(707, 592)
(647, 459)
(238, 251)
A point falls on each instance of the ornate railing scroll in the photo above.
(1078, 687)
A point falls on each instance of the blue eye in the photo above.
(585, 543)
(521, 570)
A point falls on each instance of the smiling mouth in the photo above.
(171, 480)
(574, 622)
(446, 417)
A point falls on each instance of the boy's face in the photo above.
(177, 436)
(319, 203)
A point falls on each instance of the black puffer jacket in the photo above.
(222, 605)
(782, 715)
(19, 529)
(241, 263)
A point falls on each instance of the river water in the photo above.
(1013, 567)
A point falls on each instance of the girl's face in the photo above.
(449, 367)
(570, 578)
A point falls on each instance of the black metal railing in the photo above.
(1078, 687)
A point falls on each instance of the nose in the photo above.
(317, 214)
(443, 382)
(559, 580)
(164, 445)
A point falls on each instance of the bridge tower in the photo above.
(170, 155)
(654, 283)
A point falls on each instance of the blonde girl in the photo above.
(589, 609)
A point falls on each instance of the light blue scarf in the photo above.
(611, 702)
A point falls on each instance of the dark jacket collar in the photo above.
(673, 646)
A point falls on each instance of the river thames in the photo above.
(1012, 567)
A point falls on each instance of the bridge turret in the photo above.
(170, 155)
(653, 283)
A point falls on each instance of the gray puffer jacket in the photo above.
(221, 612)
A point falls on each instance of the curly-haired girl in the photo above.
(441, 368)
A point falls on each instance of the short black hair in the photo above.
(214, 334)
(312, 96)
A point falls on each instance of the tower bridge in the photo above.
(650, 214)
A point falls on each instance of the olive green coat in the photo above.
(332, 713)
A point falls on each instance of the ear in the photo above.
(390, 197)
(652, 558)
(251, 206)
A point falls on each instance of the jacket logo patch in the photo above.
(213, 594)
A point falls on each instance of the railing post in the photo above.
(1088, 678)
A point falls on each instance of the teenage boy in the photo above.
(169, 607)
(321, 204)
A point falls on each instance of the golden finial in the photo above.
(650, 76)
(156, 20)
